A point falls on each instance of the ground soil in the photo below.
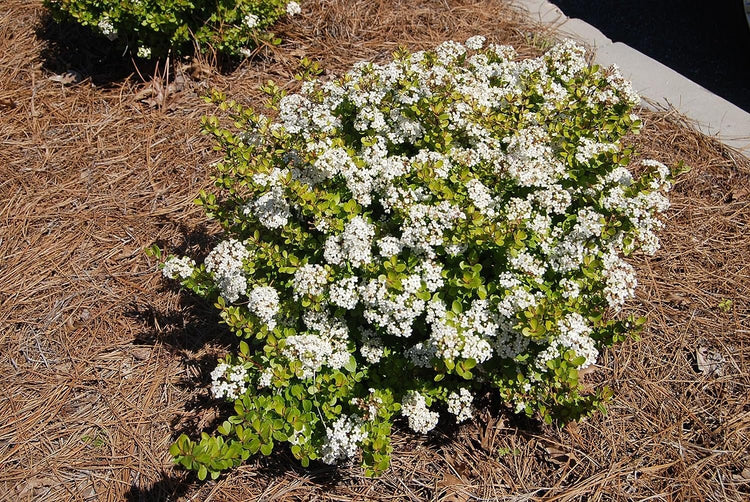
(104, 363)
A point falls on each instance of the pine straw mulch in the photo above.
(104, 363)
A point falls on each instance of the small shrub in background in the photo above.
(411, 234)
(150, 28)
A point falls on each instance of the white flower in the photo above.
(389, 246)
(574, 334)
(108, 30)
(475, 43)
(144, 52)
(343, 293)
(481, 197)
(178, 267)
(460, 405)
(228, 381)
(356, 241)
(263, 301)
(293, 8)
(250, 20)
(414, 407)
(342, 439)
(309, 279)
(225, 263)
(325, 344)
(271, 208)
(372, 347)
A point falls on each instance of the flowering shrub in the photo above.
(152, 27)
(410, 234)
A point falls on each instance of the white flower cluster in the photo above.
(263, 301)
(309, 279)
(414, 408)
(460, 404)
(574, 334)
(394, 312)
(178, 267)
(466, 335)
(344, 293)
(481, 197)
(250, 20)
(107, 28)
(271, 208)
(353, 245)
(588, 149)
(324, 344)
(293, 8)
(372, 347)
(342, 439)
(225, 263)
(425, 225)
(228, 381)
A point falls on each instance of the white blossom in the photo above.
(293, 8)
(178, 267)
(250, 20)
(342, 439)
(225, 263)
(309, 279)
(228, 381)
(460, 404)
(414, 407)
(263, 301)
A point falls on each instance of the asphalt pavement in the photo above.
(706, 41)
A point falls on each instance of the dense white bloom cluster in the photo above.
(389, 246)
(263, 301)
(107, 28)
(178, 267)
(342, 439)
(228, 381)
(271, 208)
(353, 245)
(460, 404)
(293, 8)
(250, 20)
(344, 293)
(425, 226)
(620, 280)
(574, 334)
(325, 344)
(589, 149)
(310, 280)
(414, 408)
(481, 197)
(393, 312)
(372, 347)
(225, 262)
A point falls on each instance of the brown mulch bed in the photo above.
(103, 363)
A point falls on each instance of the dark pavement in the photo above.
(706, 41)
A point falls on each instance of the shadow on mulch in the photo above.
(71, 47)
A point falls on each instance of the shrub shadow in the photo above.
(72, 47)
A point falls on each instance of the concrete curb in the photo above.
(713, 115)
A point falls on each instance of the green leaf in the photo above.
(351, 365)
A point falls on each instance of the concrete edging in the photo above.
(713, 115)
